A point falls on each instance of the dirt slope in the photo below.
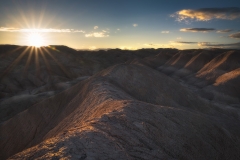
(145, 104)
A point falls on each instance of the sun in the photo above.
(35, 39)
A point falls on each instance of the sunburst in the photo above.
(35, 39)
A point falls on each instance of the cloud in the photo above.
(97, 34)
(219, 45)
(92, 48)
(184, 42)
(171, 44)
(206, 14)
(166, 32)
(209, 44)
(51, 30)
(151, 45)
(135, 25)
(224, 31)
(118, 29)
(235, 35)
(156, 45)
(127, 48)
(95, 27)
(181, 43)
(197, 29)
(5, 29)
(78, 31)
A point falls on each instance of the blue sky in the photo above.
(130, 24)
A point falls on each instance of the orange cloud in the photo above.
(206, 14)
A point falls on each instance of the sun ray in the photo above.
(13, 19)
(14, 63)
(37, 66)
(28, 60)
(48, 21)
(24, 19)
(59, 64)
(45, 61)
(41, 18)
(10, 52)
(19, 20)
(22, 15)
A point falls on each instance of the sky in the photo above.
(125, 24)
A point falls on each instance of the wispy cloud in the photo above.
(208, 44)
(171, 44)
(184, 42)
(118, 29)
(92, 48)
(127, 48)
(166, 32)
(197, 29)
(11, 29)
(224, 31)
(157, 45)
(135, 25)
(206, 14)
(181, 43)
(152, 45)
(97, 34)
(95, 27)
(235, 35)
(220, 45)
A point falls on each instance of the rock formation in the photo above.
(119, 104)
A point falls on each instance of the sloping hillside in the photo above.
(145, 104)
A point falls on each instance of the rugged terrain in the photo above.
(56, 102)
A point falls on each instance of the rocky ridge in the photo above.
(144, 104)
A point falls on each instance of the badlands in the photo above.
(61, 103)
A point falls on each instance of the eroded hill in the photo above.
(145, 104)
